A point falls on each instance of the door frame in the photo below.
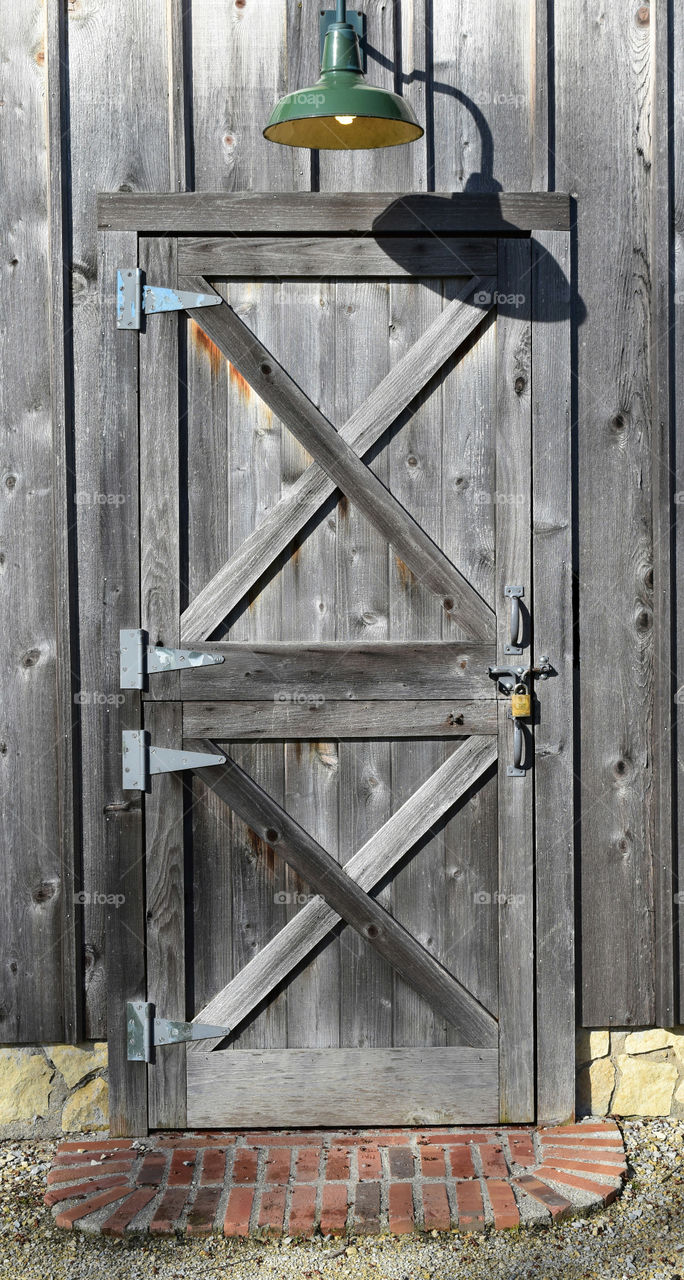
(139, 378)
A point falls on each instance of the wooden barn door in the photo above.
(336, 489)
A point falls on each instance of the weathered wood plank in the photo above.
(117, 820)
(480, 58)
(663, 453)
(115, 138)
(362, 430)
(275, 387)
(280, 832)
(309, 612)
(259, 721)
(678, 462)
(366, 1009)
(165, 918)
(61, 378)
(321, 257)
(614, 484)
(468, 468)
(373, 861)
(553, 745)
(419, 892)
(376, 1086)
(34, 894)
(516, 794)
(160, 380)
(288, 212)
(342, 670)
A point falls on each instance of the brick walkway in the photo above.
(347, 1183)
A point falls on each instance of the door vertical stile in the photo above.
(309, 614)
(419, 894)
(554, 776)
(115, 558)
(363, 576)
(516, 794)
(160, 605)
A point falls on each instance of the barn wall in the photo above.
(165, 94)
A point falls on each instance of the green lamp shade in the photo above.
(341, 112)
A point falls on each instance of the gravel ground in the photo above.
(640, 1235)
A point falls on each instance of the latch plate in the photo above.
(144, 1032)
(140, 759)
(135, 299)
(139, 659)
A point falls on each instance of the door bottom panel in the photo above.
(282, 1087)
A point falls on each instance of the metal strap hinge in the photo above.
(135, 299)
(141, 759)
(144, 1032)
(139, 659)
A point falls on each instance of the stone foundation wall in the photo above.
(623, 1072)
(48, 1090)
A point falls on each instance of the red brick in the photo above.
(594, 1141)
(245, 1166)
(272, 1210)
(83, 1188)
(493, 1161)
(126, 1212)
(455, 1139)
(334, 1208)
(92, 1159)
(461, 1162)
(602, 1127)
(432, 1162)
(401, 1217)
(522, 1148)
(367, 1208)
(213, 1166)
(552, 1201)
(68, 1217)
(167, 1214)
(470, 1208)
(278, 1164)
(609, 1168)
(83, 1171)
(503, 1204)
(401, 1162)
(182, 1167)
(337, 1165)
(282, 1138)
(203, 1211)
(238, 1211)
(105, 1144)
(308, 1163)
(370, 1164)
(152, 1170)
(436, 1207)
(302, 1211)
(607, 1194)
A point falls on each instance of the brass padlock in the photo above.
(521, 702)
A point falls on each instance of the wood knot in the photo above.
(519, 385)
(31, 658)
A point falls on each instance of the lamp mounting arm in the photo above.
(341, 15)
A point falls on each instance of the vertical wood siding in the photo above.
(159, 94)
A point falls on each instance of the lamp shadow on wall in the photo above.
(559, 298)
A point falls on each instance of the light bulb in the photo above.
(345, 119)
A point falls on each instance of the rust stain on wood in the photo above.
(203, 343)
(241, 384)
(406, 577)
